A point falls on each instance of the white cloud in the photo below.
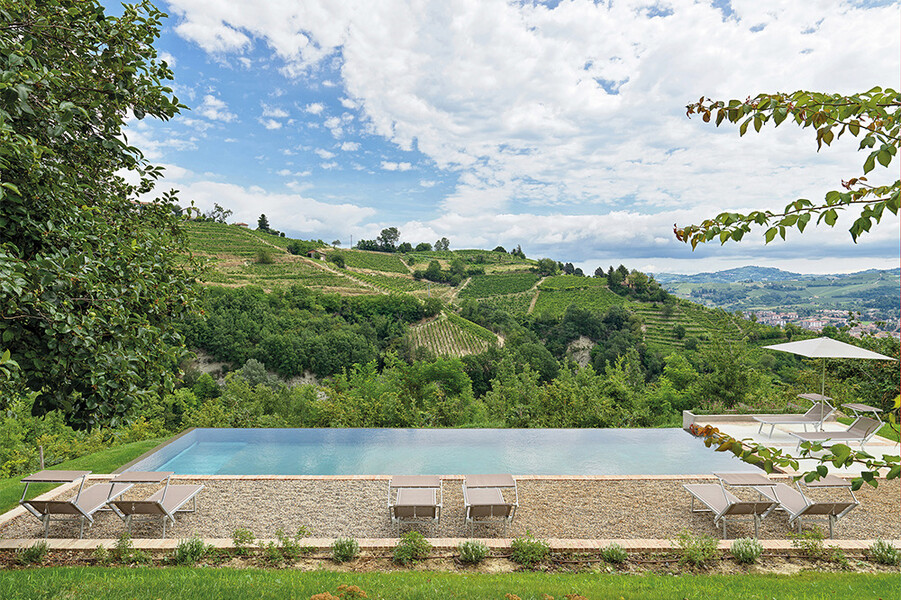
(270, 123)
(329, 165)
(215, 109)
(350, 146)
(577, 111)
(324, 154)
(396, 166)
(315, 108)
(427, 183)
(274, 112)
(168, 58)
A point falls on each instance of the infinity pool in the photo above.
(438, 451)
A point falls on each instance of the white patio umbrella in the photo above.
(825, 347)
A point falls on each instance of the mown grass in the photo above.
(186, 583)
(105, 461)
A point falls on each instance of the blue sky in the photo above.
(558, 126)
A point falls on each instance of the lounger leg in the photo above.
(756, 527)
(46, 520)
(81, 531)
(128, 524)
(831, 526)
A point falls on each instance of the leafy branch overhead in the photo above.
(871, 116)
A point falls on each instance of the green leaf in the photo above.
(870, 163)
(884, 157)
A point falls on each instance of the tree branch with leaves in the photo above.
(872, 116)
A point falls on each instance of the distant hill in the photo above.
(754, 273)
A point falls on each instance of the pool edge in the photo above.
(153, 450)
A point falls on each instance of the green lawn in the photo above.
(105, 461)
(186, 583)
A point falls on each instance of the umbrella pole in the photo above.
(823, 394)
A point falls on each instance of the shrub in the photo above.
(746, 550)
(345, 549)
(614, 553)
(190, 551)
(290, 547)
(411, 548)
(127, 554)
(695, 550)
(33, 554)
(810, 543)
(242, 538)
(884, 553)
(272, 553)
(264, 256)
(101, 555)
(472, 552)
(528, 550)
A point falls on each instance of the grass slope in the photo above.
(105, 461)
(186, 583)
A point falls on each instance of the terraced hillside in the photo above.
(451, 335)
(231, 255)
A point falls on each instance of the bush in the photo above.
(242, 538)
(188, 552)
(614, 553)
(126, 553)
(810, 543)
(884, 553)
(101, 555)
(264, 256)
(411, 548)
(695, 550)
(290, 547)
(746, 550)
(33, 554)
(472, 552)
(528, 551)
(345, 549)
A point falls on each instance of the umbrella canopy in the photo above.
(825, 347)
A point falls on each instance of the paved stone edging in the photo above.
(440, 544)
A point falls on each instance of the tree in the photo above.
(387, 239)
(336, 242)
(263, 223)
(93, 280)
(872, 115)
(500, 249)
(599, 272)
(406, 247)
(423, 247)
(442, 244)
(547, 266)
(217, 214)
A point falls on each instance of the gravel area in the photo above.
(549, 508)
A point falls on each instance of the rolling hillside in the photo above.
(231, 257)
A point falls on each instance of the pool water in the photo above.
(438, 451)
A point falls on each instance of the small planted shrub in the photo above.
(127, 554)
(528, 550)
(33, 554)
(810, 543)
(189, 552)
(412, 547)
(345, 549)
(243, 539)
(746, 550)
(614, 554)
(101, 555)
(884, 553)
(695, 550)
(290, 546)
(472, 552)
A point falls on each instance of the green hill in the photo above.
(232, 258)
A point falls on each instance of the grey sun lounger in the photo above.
(162, 504)
(860, 431)
(81, 506)
(724, 504)
(484, 502)
(798, 506)
(818, 413)
(415, 498)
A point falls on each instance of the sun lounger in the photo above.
(860, 431)
(413, 498)
(818, 413)
(82, 505)
(162, 504)
(723, 504)
(798, 506)
(484, 501)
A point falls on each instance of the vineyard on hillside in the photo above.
(496, 284)
(216, 239)
(374, 261)
(555, 303)
(447, 336)
(572, 282)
